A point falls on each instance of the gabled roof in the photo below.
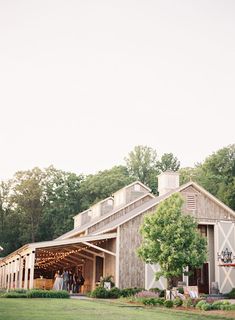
(153, 202)
(132, 184)
(89, 224)
(111, 197)
(52, 244)
(90, 208)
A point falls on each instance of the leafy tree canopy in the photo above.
(172, 240)
(143, 164)
(102, 185)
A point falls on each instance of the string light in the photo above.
(46, 258)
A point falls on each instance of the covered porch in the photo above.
(34, 265)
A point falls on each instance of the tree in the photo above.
(61, 201)
(217, 174)
(187, 174)
(168, 162)
(26, 199)
(102, 185)
(142, 165)
(172, 240)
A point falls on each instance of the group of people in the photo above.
(67, 280)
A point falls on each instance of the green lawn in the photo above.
(71, 309)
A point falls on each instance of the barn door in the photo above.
(225, 238)
(150, 281)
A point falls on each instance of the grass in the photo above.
(60, 309)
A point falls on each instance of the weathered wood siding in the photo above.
(109, 260)
(88, 275)
(206, 209)
(118, 214)
(131, 267)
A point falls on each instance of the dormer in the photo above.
(82, 218)
(130, 193)
(102, 207)
(93, 212)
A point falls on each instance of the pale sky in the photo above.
(83, 82)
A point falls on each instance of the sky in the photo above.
(83, 82)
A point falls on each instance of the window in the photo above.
(137, 187)
(191, 202)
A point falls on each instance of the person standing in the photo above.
(70, 282)
(58, 284)
(65, 280)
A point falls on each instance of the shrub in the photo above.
(162, 294)
(156, 290)
(100, 292)
(177, 302)
(231, 294)
(14, 295)
(221, 305)
(188, 302)
(114, 293)
(226, 307)
(206, 306)
(127, 292)
(149, 301)
(47, 294)
(200, 304)
(168, 303)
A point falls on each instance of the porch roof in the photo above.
(55, 245)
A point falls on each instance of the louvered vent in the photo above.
(191, 202)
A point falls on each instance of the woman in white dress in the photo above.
(58, 284)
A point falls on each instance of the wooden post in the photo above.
(1, 277)
(26, 272)
(8, 275)
(20, 272)
(117, 258)
(93, 273)
(31, 266)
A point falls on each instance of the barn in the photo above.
(106, 236)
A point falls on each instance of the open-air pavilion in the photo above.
(34, 265)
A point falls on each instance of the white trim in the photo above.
(99, 248)
(117, 258)
(167, 196)
(91, 223)
(37, 245)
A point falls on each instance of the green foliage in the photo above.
(226, 307)
(142, 165)
(188, 303)
(200, 304)
(14, 295)
(47, 294)
(171, 239)
(221, 305)
(168, 303)
(107, 279)
(177, 302)
(149, 301)
(102, 185)
(231, 294)
(206, 306)
(168, 162)
(100, 292)
(114, 293)
(127, 292)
